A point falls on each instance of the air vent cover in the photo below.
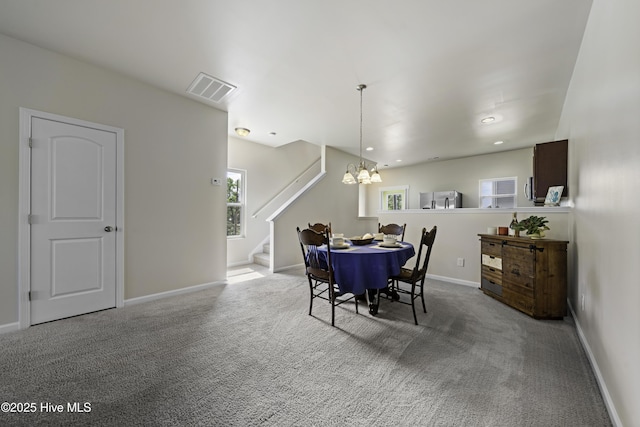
(210, 88)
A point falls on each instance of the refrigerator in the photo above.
(441, 200)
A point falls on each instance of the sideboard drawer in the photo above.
(491, 248)
(489, 285)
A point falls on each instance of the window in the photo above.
(498, 192)
(235, 202)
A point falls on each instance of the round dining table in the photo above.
(358, 269)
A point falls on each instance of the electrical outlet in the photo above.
(216, 181)
(460, 262)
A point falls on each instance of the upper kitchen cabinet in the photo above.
(549, 168)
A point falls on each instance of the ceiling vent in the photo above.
(210, 88)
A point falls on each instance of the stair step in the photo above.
(266, 248)
(261, 259)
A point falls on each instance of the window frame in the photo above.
(242, 203)
(495, 195)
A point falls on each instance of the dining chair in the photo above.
(319, 227)
(416, 276)
(319, 271)
(394, 229)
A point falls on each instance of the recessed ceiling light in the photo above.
(242, 131)
(488, 119)
(498, 142)
(399, 160)
(369, 148)
(272, 133)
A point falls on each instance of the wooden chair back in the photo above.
(394, 229)
(320, 227)
(316, 265)
(426, 244)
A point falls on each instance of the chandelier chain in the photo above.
(361, 89)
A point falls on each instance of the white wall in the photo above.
(601, 120)
(174, 218)
(269, 171)
(458, 231)
(460, 174)
(329, 201)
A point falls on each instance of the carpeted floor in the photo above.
(248, 354)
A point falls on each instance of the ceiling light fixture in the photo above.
(242, 131)
(498, 142)
(488, 119)
(360, 174)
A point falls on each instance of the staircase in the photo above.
(262, 258)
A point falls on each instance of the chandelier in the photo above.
(360, 174)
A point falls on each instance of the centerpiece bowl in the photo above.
(359, 241)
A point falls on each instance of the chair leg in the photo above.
(355, 299)
(310, 297)
(424, 307)
(413, 302)
(332, 298)
(374, 301)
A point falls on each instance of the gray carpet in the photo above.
(248, 354)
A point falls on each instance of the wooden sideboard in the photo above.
(526, 274)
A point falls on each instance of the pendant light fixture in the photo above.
(360, 174)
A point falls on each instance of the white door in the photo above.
(73, 222)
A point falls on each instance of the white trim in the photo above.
(9, 327)
(24, 197)
(239, 263)
(166, 294)
(258, 249)
(453, 280)
(293, 198)
(242, 204)
(613, 414)
(288, 267)
(530, 210)
(404, 189)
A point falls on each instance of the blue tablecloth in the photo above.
(367, 267)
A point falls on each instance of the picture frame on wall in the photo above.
(553, 196)
(394, 198)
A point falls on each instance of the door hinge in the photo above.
(30, 219)
(30, 142)
(29, 295)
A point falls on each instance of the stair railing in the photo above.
(286, 188)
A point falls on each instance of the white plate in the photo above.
(345, 246)
(393, 245)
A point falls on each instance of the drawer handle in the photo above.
(492, 257)
(492, 269)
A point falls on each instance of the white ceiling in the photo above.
(433, 68)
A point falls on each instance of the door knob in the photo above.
(108, 229)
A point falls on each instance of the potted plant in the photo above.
(534, 226)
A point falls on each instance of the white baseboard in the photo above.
(9, 327)
(453, 280)
(160, 295)
(289, 267)
(613, 414)
(238, 264)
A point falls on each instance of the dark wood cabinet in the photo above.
(526, 274)
(549, 168)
